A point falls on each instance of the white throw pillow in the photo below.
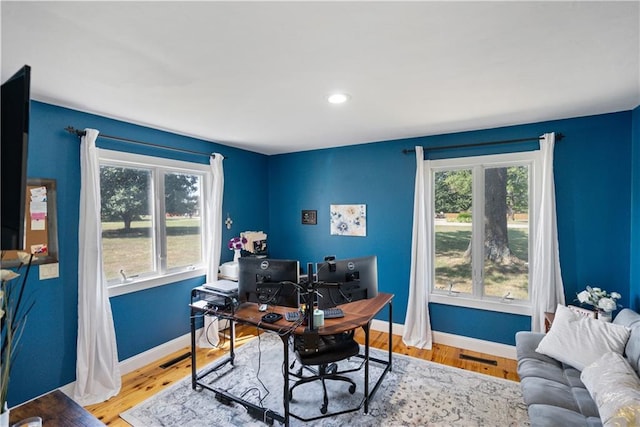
(579, 341)
(615, 387)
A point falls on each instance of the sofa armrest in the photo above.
(526, 344)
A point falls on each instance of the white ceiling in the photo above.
(256, 75)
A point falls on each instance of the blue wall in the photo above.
(593, 181)
(142, 319)
(593, 184)
(634, 288)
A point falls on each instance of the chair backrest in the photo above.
(329, 348)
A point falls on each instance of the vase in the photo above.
(236, 255)
(4, 416)
(605, 316)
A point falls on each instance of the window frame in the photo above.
(163, 276)
(476, 299)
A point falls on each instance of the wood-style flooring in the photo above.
(145, 382)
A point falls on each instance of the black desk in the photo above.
(356, 314)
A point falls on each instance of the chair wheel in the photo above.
(352, 388)
(323, 409)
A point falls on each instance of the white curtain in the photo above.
(97, 370)
(547, 290)
(417, 325)
(213, 242)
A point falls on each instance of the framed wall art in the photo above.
(348, 220)
(309, 217)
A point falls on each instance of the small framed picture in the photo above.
(309, 217)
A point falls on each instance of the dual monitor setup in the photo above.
(278, 281)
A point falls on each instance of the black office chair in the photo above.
(324, 355)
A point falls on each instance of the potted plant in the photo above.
(236, 244)
(13, 318)
(603, 302)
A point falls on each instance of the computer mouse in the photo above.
(263, 307)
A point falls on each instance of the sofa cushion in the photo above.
(559, 372)
(615, 387)
(579, 341)
(553, 416)
(540, 391)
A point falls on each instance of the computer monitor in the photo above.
(357, 279)
(268, 281)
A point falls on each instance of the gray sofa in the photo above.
(553, 391)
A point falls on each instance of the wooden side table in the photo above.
(548, 320)
(55, 409)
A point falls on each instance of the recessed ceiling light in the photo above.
(338, 98)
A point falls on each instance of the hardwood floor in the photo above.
(145, 382)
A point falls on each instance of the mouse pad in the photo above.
(271, 317)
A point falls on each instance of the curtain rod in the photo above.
(81, 133)
(559, 137)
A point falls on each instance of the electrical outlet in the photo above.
(49, 271)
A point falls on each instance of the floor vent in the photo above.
(175, 360)
(479, 359)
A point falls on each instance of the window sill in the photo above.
(148, 283)
(515, 307)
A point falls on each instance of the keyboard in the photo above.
(329, 313)
(292, 316)
(333, 313)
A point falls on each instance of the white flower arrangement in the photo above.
(600, 299)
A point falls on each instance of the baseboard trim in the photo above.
(473, 344)
(153, 354)
(146, 357)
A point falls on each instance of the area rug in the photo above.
(415, 393)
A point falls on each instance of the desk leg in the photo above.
(366, 328)
(193, 350)
(390, 335)
(285, 370)
(232, 341)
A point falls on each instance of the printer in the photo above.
(223, 286)
(229, 270)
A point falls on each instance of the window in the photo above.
(482, 226)
(152, 220)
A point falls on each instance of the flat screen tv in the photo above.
(15, 97)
